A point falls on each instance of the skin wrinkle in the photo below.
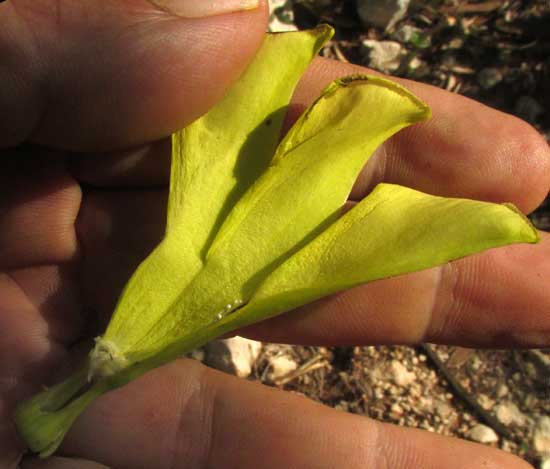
(198, 398)
(188, 437)
(429, 317)
(211, 431)
(453, 303)
(377, 453)
(398, 459)
(445, 298)
(174, 450)
(455, 311)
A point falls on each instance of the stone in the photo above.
(529, 400)
(382, 14)
(443, 409)
(485, 401)
(489, 77)
(502, 390)
(197, 354)
(401, 376)
(281, 365)
(406, 33)
(415, 64)
(455, 43)
(509, 414)
(541, 436)
(482, 434)
(343, 406)
(396, 410)
(540, 361)
(530, 370)
(543, 358)
(384, 56)
(235, 356)
(426, 404)
(281, 16)
(475, 363)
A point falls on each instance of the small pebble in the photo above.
(482, 434)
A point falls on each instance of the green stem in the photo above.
(43, 420)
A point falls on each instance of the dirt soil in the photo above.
(496, 52)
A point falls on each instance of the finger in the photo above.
(39, 203)
(184, 415)
(490, 299)
(80, 77)
(497, 298)
(466, 149)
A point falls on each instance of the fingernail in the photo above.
(201, 8)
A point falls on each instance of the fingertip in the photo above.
(528, 154)
(466, 150)
(128, 74)
(409, 447)
(492, 299)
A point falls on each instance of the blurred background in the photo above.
(494, 51)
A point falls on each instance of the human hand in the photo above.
(66, 252)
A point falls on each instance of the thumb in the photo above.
(85, 76)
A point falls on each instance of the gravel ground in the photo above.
(492, 396)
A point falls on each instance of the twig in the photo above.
(338, 53)
(311, 365)
(463, 394)
(485, 7)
